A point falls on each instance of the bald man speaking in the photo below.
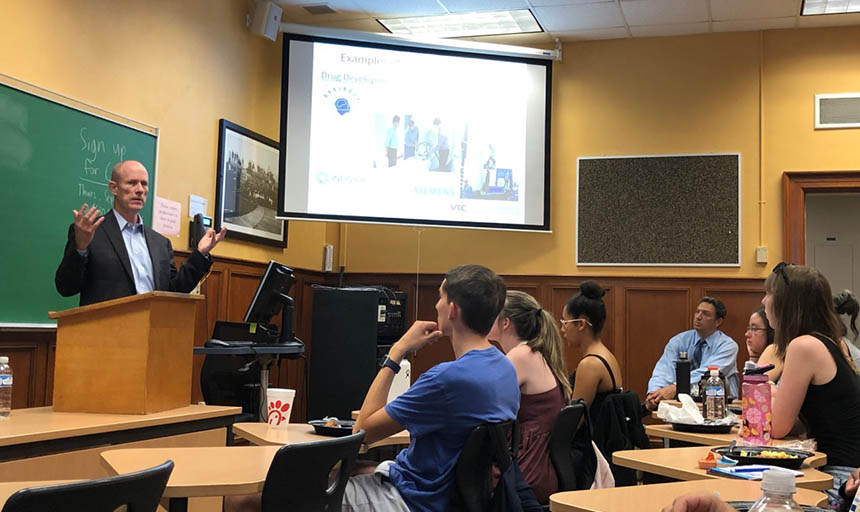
(115, 255)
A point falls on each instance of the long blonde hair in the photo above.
(538, 329)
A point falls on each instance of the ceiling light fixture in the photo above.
(465, 24)
(814, 7)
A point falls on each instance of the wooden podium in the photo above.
(131, 355)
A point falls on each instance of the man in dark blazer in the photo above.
(115, 255)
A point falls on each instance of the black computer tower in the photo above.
(343, 354)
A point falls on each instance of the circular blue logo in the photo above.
(341, 105)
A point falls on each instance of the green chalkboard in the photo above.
(55, 155)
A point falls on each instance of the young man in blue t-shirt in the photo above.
(444, 405)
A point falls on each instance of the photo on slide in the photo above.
(247, 193)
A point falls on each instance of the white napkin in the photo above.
(687, 413)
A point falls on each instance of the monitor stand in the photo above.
(286, 338)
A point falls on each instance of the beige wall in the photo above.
(183, 65)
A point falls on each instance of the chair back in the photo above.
(561, 445)
(473, 471)
(139, 492)
(300, 477)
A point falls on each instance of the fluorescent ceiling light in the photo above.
(465, 25)
(811, 7)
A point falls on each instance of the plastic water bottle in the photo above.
(682, 374)
(5, 387)
(715, 397)
(778, 486)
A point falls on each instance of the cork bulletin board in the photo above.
(667, 210)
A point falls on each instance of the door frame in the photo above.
(795, 186)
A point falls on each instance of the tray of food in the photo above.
(772, 455)
(332, 427)
(703, 428)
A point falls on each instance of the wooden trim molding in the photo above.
(795, 186)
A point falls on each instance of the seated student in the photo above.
(444, 405)
(819, 380)
(846, 304)
(615, 414)
(528, 335)
(705, 346)
(759, 334)
(597, 373)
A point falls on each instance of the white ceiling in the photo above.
(576, 20)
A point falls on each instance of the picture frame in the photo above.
(246, 192)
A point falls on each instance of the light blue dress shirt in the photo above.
(138, 253)
(720, 350)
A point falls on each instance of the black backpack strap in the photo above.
(606, 364)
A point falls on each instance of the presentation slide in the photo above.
(410, 136)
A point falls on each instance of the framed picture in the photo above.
(247, 194)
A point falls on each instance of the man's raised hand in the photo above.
(86, 222)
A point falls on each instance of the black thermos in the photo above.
(682, 374)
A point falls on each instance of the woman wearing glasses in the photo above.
(530, 338)
(819, 382)
(597, 373)
(759, 337)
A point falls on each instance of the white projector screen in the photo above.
(383, 133)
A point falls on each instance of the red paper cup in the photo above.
(279, 405)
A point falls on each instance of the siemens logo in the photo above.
(423, 190)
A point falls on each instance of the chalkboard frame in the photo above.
(579, 204)
(96, 112)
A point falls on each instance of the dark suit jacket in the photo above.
(105, 273)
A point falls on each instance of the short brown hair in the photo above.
(802, 304)
(480, 294)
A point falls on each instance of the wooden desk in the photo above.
(197, 472)
(261, 434)
(656, 496)
(40, 444)
(681, 464)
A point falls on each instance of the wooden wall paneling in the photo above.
(27, 357)
(241, 286)
(654, 314)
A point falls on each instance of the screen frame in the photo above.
(266, 283)
(402, 46)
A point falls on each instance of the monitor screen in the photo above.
(388, 133)
(268, 301)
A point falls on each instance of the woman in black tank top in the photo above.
(819, 384)
(582, 322)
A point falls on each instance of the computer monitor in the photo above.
(271, 297)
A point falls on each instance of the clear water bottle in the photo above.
(715, 397)
(5, 387)
(778, 486)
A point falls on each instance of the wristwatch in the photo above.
(389, 363)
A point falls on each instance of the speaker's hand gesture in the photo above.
(86, 222)
(210, 239)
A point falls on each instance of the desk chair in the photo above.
(299, 478)
(231, 380)
(562, 450)
(139, 492)
(472, 491)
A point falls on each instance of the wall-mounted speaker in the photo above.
(267, 19)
